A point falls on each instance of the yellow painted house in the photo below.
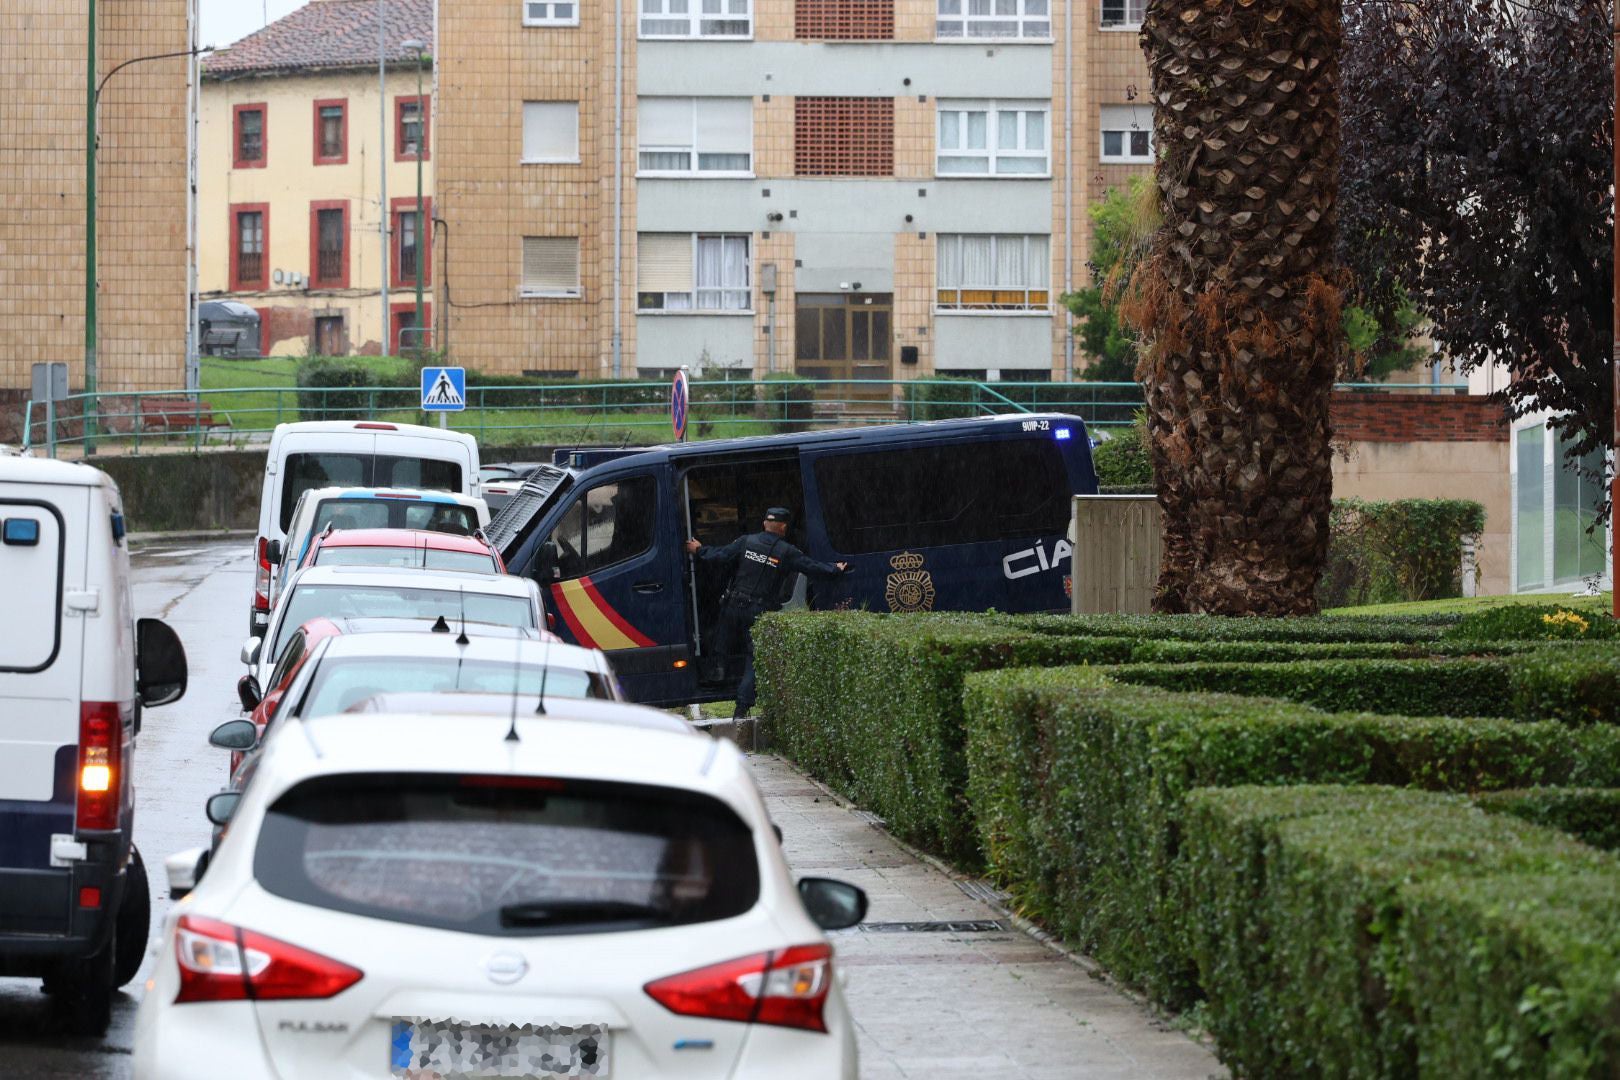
(308, 178)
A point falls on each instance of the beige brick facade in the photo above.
(914, 300)
(142, 203)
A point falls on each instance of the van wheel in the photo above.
(83, 992)
(134, 922)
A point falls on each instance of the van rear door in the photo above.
(42, 562)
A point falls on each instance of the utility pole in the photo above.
(382, 165)
(422, 129)
(90, 335)
(1614, 364)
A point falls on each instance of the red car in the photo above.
(414, 549)
(261, 702)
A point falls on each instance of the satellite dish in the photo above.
(276, 277)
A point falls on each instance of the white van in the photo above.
(350, 453)
(76, 668)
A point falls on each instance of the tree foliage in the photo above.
(1122, 224)
(1477, 186)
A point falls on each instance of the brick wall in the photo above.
(1404, 418)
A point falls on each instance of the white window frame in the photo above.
(529, 292)
(1104, 127)
(694, 151)
(524, 158)
(550, 18)
(993, 153)
(695, 17)
(948, 13)
(746, 289)
(1028, 307)
(1130, 18)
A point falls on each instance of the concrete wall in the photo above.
(990, 342)
(175, 492)
(668, 341)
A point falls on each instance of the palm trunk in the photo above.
(1239, 301)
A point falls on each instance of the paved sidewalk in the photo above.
(940, 1003)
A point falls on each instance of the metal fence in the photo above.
(560, 412)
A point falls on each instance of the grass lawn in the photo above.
(244, 391)
(1603, 603)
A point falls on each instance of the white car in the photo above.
(539, 897)
(378, 592)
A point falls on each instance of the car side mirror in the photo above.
(239, 735)
(272, 552)
(832, 905)
(250, 650)
(184, 870)
(221, 805)
(160, 663)
(546, 567)
(249, 693)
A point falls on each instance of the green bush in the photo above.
(1534, 622)
(1405, 629)
(1078, 792)
(1568, 683)
(1406, 549)
(1591, 815)
(1461, 687)
(788, 401)
(331, 388)
(1338, 932)
(1123, 459)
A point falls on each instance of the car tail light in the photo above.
(786, 989)
(101, 752)
(375, 427)
(221, 962)
(261, 578)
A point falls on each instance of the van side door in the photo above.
(611, 571)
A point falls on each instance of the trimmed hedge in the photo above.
(1406, 629)
(1571, 684)
(1534, 622)
(1591, 815)
(1377, 932)
(1405, 549)
(1078, 792)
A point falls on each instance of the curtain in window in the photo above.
(1009, 262)
(665, 126)
(1039, 269)
(978, 264)
(722, 273)
(948, 268)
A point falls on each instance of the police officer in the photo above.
(761, 561)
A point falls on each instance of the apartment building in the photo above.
(850, 189)
(142, 202)
(296, 143)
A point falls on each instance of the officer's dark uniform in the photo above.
(762, 561)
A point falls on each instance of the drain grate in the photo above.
(958, 926)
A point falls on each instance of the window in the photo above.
(978, 138)
(697, 18)
(250, 141)
(307, 602)
(1029, 19)
(412, 245)
(1122, 14)
(550, 266)
(335, 687)
(551, 132)
(329, 245)
(610, 524)
(1127, 134)
(411, 332)
(993, 273)
(550, 13)
(331, 132)
(843, 20)
(250, 248)
(412, 119)
(1555, 502)
(681, 272)
(842, 136)
(695, 135)
(940, 495)
(306, 471)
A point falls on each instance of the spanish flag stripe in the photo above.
(572, 622)
(589, 622)
(619, 621)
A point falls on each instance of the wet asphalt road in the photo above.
(201, 590)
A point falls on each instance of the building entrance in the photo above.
(846, 336)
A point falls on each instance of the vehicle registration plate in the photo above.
(450, 1050)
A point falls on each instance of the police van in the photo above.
(76, 669)
(953, 515)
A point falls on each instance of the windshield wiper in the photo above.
(558, 912)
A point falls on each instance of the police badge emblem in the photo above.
(910, 587)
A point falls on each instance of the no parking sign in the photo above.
(678, 395)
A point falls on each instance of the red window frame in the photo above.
(264, 331)
(342, 156)
(238, 282)
(407, 205)
(341, 280)
(426, 102)
(394, 327)
(237, 161)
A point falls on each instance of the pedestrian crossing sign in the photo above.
(444, 389)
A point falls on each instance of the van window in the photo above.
(395, 514)
(935, 496)
(306, 471)
(609, 524)
(31, 565)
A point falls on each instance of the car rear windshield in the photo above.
(507, 856)
(415, 558)
(397, 602)
(395, 513)
(306, 471)
(341, 682)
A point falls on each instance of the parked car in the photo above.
(499, 482)
(402, 892)
(77, 670)
(350, 453)
(407, 549)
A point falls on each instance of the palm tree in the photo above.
(1239, 301)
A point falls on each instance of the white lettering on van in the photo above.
(1021, 564)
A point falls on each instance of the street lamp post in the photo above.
(420, 48)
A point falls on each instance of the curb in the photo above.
(191, 534)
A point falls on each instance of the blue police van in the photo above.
(953, 515)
